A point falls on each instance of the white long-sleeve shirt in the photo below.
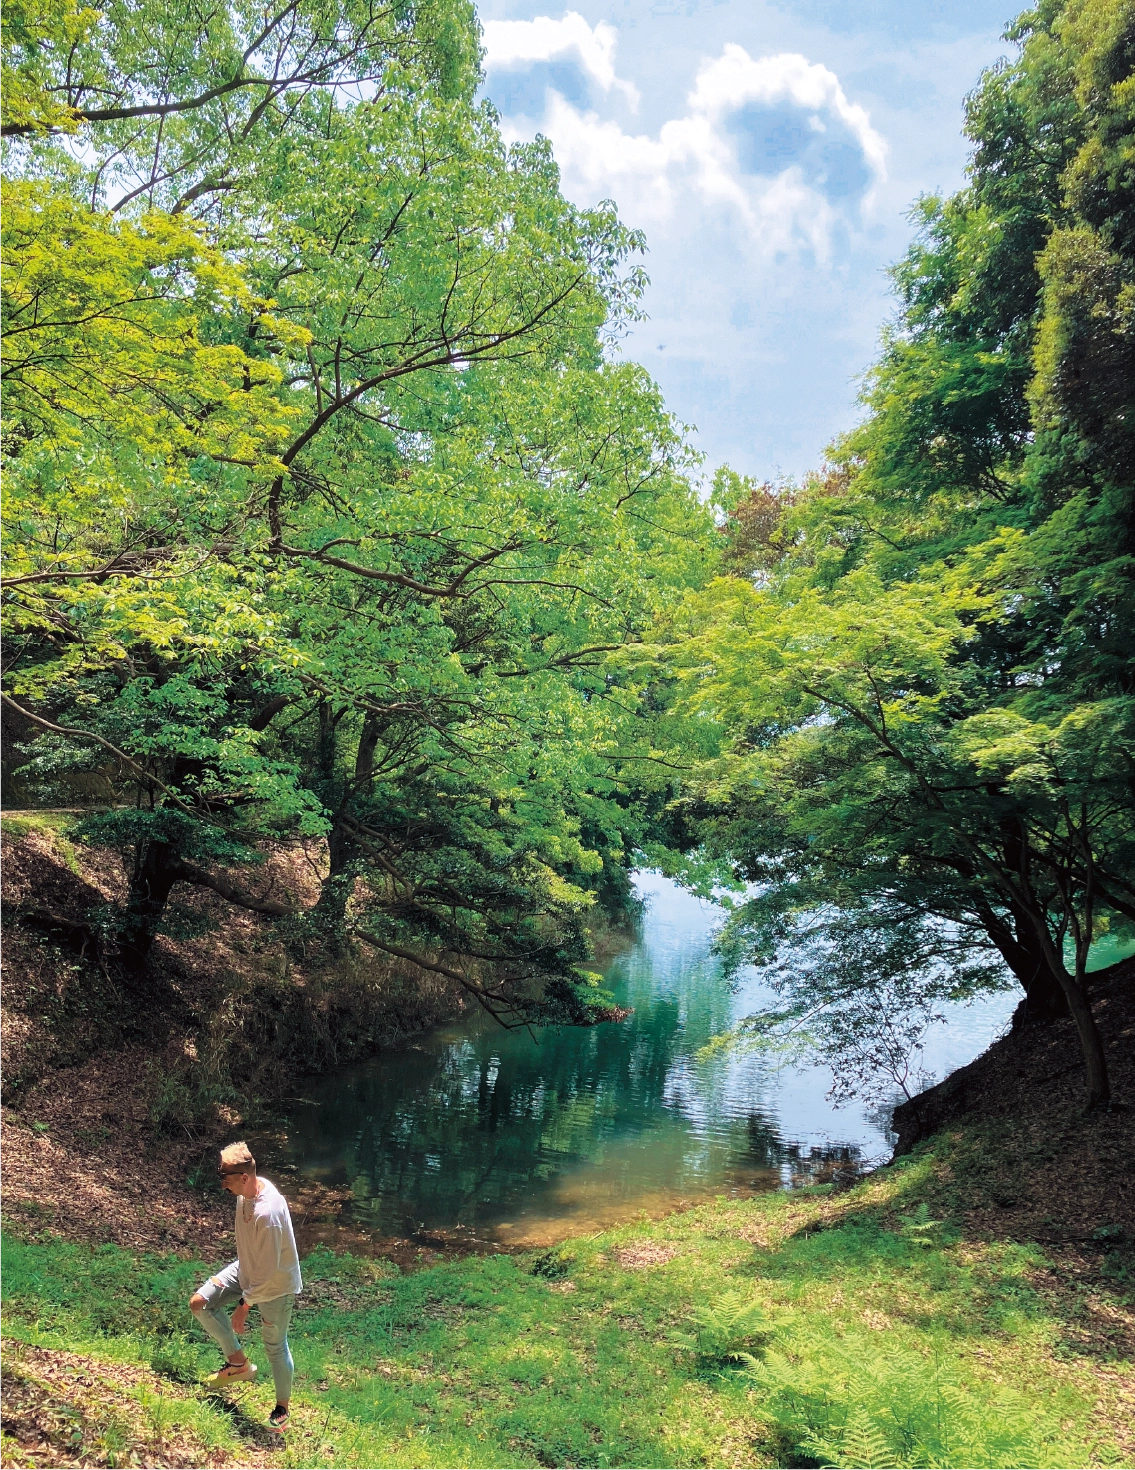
(266, 1246)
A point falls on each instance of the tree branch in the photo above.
(481, 995)
(121, 755)
(190, 873)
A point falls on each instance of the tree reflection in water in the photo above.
(522, 1139)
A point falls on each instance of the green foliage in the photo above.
(554, 1264)
(183, 1098)
(328, 510)
(918, 669)
(861, 1332)
(882, 1406)
(920, 1228)
(731, 1330)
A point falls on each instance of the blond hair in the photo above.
(238, 1156)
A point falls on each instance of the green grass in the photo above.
(801, 1329)
(19, 824)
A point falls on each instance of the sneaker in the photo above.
(278, 1419)
(230, 1373)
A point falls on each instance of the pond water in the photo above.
(481, 1134)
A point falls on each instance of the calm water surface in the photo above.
(501, 1137)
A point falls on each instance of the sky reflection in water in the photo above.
(491, 1133)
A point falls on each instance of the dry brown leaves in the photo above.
(1096, 1322)
(641, 1255)
(62, 1409)
(82, 1159)
(1070, 1174)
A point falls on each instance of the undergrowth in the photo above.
(805, 1329)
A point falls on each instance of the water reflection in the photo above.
(520, 1140)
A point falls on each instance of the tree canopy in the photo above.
(921, 665)
(332, 515)
(326, 500)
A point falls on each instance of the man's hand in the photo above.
(240, 1317)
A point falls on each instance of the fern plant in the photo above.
(862, 1445)
(730, 1331)
(918, 1228)
(888, 1407)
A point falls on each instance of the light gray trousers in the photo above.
(223, 1290)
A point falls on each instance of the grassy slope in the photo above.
(887, 1334)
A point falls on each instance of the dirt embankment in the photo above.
(1053, 1172)
(115, 1102)
(242, 1008)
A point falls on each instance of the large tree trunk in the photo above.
(157, 867)
(1045, 999)
(335, 891)
(1075, 991)
(156, 870)
(1050, 990)
(342, 847)
(1091, 1043)
(1022, 951)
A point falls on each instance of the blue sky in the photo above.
(771, 150)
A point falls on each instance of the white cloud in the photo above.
(510, 43)
(735, 79)
(653, 178)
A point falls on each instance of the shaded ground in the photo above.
(67, 1409)
(82, 1157)
(1042, 1169)
(227, 1010)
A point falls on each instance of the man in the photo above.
(265, 1274)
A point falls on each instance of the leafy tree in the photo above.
(859, 989)
(187, 88)
(875, 774)
(926, 689)
(336, 507)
